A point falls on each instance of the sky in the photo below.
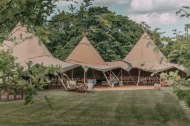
(156, 13)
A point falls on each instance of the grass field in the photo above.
(109, 108)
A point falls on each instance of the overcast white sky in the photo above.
(156, 13)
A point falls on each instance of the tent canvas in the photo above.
(147, 58)
(25, 47)
(145, 55)
(86, 55)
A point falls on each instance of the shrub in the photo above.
(187, 100)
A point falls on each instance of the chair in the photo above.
(71, 85)
(90, 87)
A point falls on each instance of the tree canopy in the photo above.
(111, 34)
(33, 13)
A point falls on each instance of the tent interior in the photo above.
(103, 78)
(142, 77)
(132, 77)
(78, 74)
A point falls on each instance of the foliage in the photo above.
(111, 34)
(181, 86)
(184, 11)
(172, 78)
(33, 13)
(35, 78)
(7, 68)
(177, 49)
(16, 79)
(183, 95)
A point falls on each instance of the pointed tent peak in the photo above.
(19, 24)
(85, 53)
(84, 34)
(85, 41)
(145, 36)
(19, 27)
(16, 36)
(24, 44)
(19, 34)
(145, 52)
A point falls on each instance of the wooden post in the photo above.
(110, 74)
(85, 68)
(121, 77)
(119, 74)
(72, 74)
(115, 75)
(62, 82)
(139, 75)
(106, 78)
(84, 77)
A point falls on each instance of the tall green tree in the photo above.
(111, 34)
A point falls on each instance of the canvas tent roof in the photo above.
(121, 64)
(146, 55)
(26, 47)
(86, 55)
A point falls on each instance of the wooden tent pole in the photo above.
(84, 77)
(106, 78)
(72, 74)
(121, 77)
(114, 75)
(61, 80)
(139, 75)
(65, 75)
(131, 77)
(110, 74)
(119, 74)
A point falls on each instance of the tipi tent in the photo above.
(146, 57)
(87, 56)
(26, 47)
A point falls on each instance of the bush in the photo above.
(187, 100)
(183, 95)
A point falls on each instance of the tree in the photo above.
(111, 34)
(186, 28)
(184, 12)
(33, 13)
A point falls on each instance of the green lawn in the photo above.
(110, 108)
